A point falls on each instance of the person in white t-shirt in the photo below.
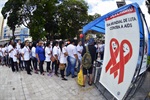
(26, 57)
(1, 54)
(6, 54)
(48, 53)
(10, 51)
(18, 47)
(56, 54)
(79, 50)
(72, 59)
(22, 64)
(15, 57)
(34, 60)
(63, 59)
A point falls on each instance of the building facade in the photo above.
(1, 26)
(20, 33)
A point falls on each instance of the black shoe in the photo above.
(90, 84)
(64, 79)
(29, 74)
(74, 76)
(43, 73)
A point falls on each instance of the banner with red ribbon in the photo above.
(122, 41)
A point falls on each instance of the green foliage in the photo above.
(11, 12)
(48, 18)
(72, 16)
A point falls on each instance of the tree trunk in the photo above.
(13, 34)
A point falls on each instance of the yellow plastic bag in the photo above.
(80, 77)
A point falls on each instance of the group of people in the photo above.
(30, 56)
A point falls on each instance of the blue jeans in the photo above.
(78, 68)
(71, 66)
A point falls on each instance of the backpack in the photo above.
(87, 59)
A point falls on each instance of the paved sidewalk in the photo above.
(20, 86)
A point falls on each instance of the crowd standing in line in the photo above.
(58, 56)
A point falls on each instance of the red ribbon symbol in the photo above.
(113, 65)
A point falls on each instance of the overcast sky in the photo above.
(104, 6)
(2, 2)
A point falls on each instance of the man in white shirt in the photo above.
(72, 58)
(79, 50)
(10, 51)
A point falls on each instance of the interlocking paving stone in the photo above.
(20, 86)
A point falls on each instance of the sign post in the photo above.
(122, 43)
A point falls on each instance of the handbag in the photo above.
(62, 66)
(80, 77)
(52, 58)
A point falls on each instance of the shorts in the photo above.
(89, 71)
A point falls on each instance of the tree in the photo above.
(11, 12)
(33, 14)
(48, 18)
(92, 17)
(38, 16)
(72, 16)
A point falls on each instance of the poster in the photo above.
(122, 41)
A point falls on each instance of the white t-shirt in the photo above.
(79, 49)
(18, 46)
(26, 52)
(14, 52)
(3, 51)
(10, 47)
(6, 49)
(85, 44)
(48, 51)
(96, 47)
(71, 49)
(33, 50)
(21, 52)
(56, 51)
(101, 47)
(63, 58)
